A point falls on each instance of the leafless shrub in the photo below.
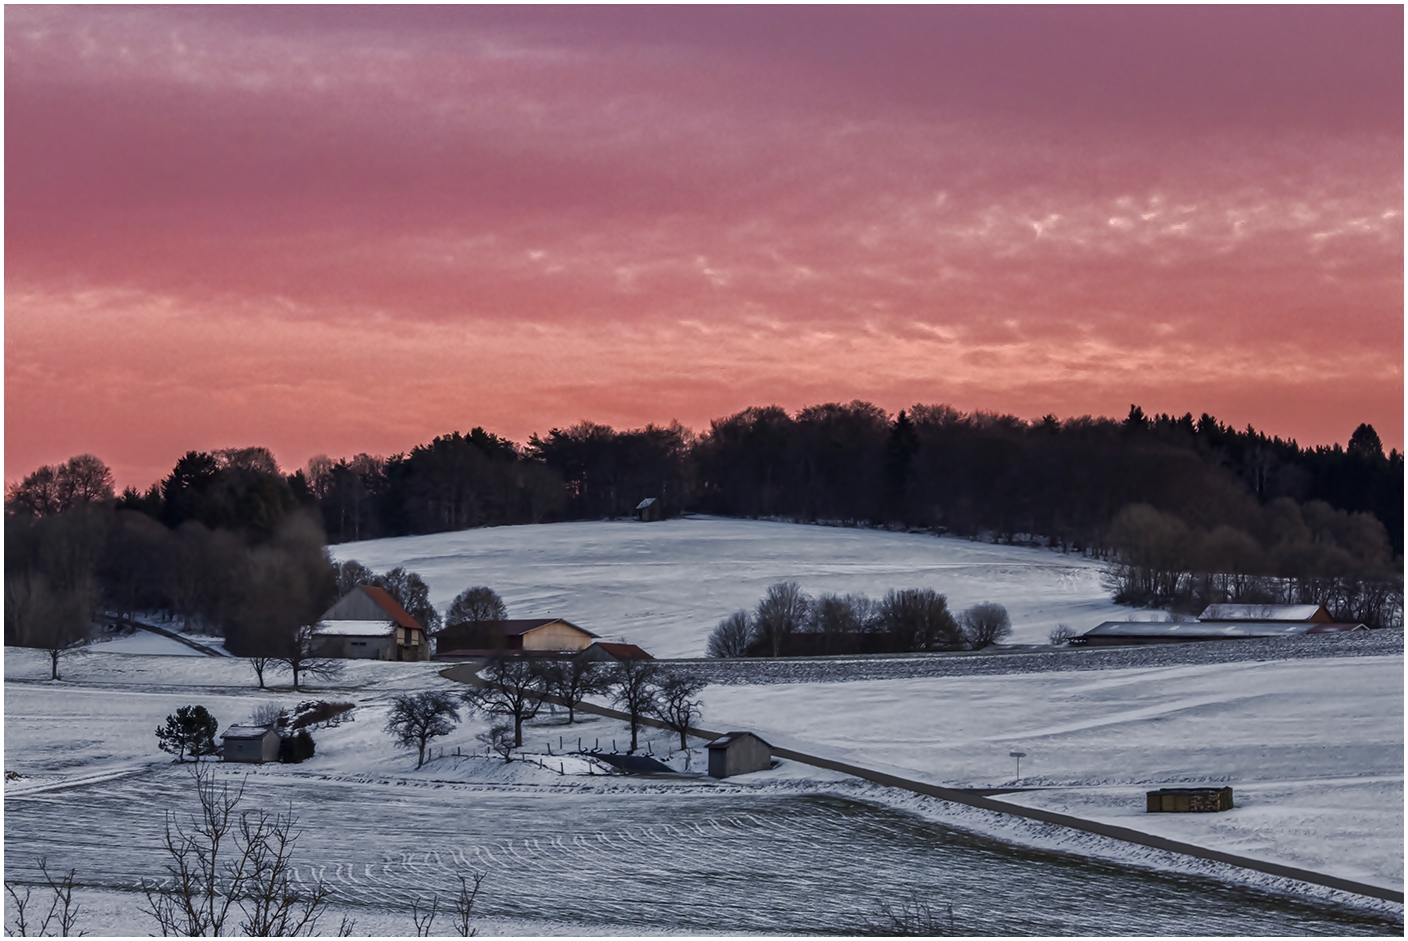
(62, 907)
(424, 919)
(912, 917)
(1061, 635)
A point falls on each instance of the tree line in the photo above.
(1188, 510)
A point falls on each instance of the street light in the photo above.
(1019, 755)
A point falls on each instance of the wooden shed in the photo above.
(738, 753)
(649, 510)
(1189, 800)
(255, 744)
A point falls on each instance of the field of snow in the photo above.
(1312, 748)
(794, 849)
(666, 585)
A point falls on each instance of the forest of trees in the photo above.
(1187, 511)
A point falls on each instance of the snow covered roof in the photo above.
(647, 502)
(344, 628)
(1214, 629)
(247, 731)
(1265, 612)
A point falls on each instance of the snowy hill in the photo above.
(665, 585)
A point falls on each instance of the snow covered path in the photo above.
(666, 585)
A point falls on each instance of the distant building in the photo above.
(526, 636)
(1188, 800)
(738, 753)
(649, 510)
(1267, 612)
(614, 653)
(368, 624)
(1123, 633)
(254, 744)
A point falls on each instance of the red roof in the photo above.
(391, 606)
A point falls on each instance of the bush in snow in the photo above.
(984, 624)
(296, 748)
(191, 731)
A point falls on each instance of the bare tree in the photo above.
(1061, 635)
(220, 860)
(574, 680)
(634, 688)
(475, 606)
(984, 624)
(260, 663)
(730, 639)
(513, 688)
(61, 906)
(39, 616)
(918, 619)
(350, 574)
(53, 489)
(499, 737)
(783, 611)
(298, 656)
(463, 905)
(675, 703)
(416, 718)
(424, 920)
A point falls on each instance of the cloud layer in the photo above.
(334, 229)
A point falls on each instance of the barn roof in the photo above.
(1193, 629)
(247, 731)
(1264, 612)
(349, 628)
(728, 738)
(391, 606)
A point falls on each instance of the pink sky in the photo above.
(332, 230)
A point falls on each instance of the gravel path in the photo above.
(848, 669)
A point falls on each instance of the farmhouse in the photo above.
(738, 753)
(524, 636)
(614, 653)
(1315, 613)
(369, 624)
(255, 744)
(1112, 633)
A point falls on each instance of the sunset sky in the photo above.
(333, 230)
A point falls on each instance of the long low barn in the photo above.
(1113, 633)
(522, 636)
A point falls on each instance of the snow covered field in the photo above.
(1312, 748)
(666, 585)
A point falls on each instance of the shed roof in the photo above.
(623, 651)
(1265, 612)
(648, 501)
(248, 731)
(391, 606)
(728, 738)
(1193, 629)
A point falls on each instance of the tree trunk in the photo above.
(518, 730)
(54, 664)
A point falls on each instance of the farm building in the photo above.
(1113, 633)
(251, 743)
(524, 636)
(1189, 800)
(614, 653)
(649, 510)
(1315, 613)
(368, 624)
(738, 753)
